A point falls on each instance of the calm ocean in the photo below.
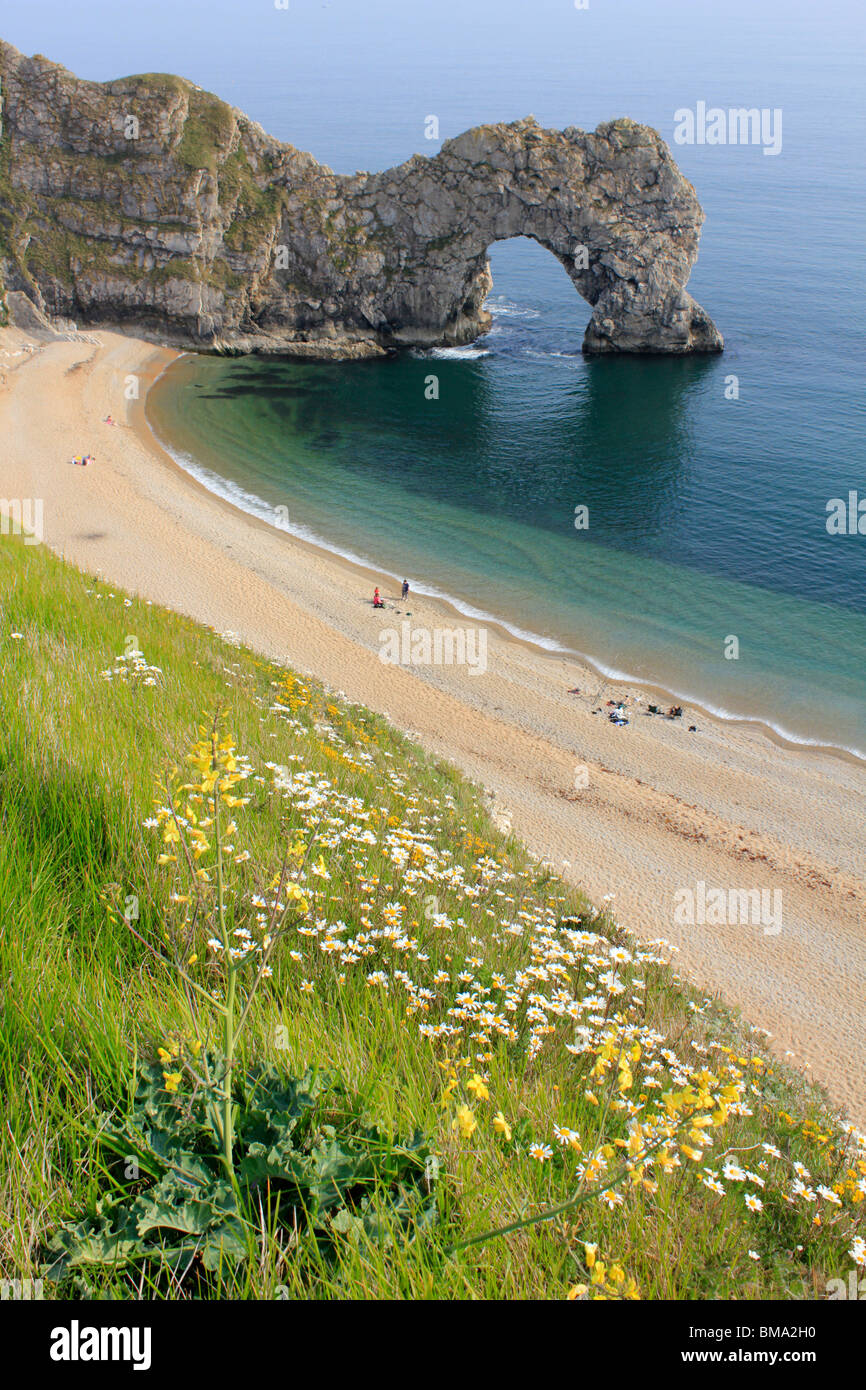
(707, 515)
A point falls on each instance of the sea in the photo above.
(707, 566)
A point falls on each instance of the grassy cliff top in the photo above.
(461, 991)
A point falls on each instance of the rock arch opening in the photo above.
(532, 296)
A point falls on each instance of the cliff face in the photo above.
(149, 204)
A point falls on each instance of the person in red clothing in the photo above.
(377, 599)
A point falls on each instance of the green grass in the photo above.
(207, 132)
(84, 761)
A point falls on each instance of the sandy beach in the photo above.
(641, 812)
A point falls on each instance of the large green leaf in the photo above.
(305, 1138)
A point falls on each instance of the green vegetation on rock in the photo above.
(207, 132)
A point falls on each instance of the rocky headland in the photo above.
(149, 205)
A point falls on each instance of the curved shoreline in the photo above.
(665, 694)
(657, 808)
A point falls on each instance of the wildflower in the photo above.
(754, 1203)
(172, 1080)
(477, 1087)
(733, 1172)
(296, 894)
(540, 1152)
(567, 1136)
(858, 1250)
(501, 1125)
(307, 986)
(666, 1160)
(465, 1122)
(714, 1185)
(829, 1195)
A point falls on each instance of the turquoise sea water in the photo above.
(707, 515)
(473, 496)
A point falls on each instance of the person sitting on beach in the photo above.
(378, 601)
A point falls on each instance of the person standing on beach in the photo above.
(405, 588)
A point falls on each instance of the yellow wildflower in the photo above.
(501, 1125)
(465, 1122)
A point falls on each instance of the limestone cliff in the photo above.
(148, 204)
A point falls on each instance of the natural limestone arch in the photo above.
(201, 230)
(611, 206)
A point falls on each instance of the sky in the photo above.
(351, 78)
